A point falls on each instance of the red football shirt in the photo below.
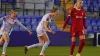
(78, 19)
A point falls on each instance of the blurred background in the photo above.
(30, 12)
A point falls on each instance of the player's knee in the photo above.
(41, 44)
(7, 41)
(48, 41)
(73, 39)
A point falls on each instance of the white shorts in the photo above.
(1, 32)
(40, 32)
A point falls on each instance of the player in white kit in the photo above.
(6, 29)
(41, 32)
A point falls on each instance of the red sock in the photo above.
(72, 48)
(82, 42)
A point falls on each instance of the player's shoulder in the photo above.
(46, 15)
(72, 9)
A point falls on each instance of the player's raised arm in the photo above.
(2, 18)
(21, 25)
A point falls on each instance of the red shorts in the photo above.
(77, 32)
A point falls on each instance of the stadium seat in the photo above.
(34, 22)
(27, 21)
(1, 15)
(88, 21)
(54, 28)
(16, 28)
(98, 22)
(22, 21)
(93, 22)
(39, 18)
(20, 16)
(33, 17)
(85, 6)
(95, 29)
(34, 27)
(89, 29)
(27, 17)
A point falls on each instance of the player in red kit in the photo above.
(78, 26)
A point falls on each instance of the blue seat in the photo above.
(27, 21)
(85, 6)
(93, 22)
(33, 17)
(54, 28)
(34, 22)
(27, 16)
(98, 22)
(16, 28)
(1, 15)
(22, 21)
(88, 21)
(34, 27)
(95, 29)
(52, 24)
(89, 29)
(20, 16)
(39, 18)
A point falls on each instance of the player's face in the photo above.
(13, 15)
(55, 13)
(79, 4)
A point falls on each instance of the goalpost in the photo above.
(98, 39)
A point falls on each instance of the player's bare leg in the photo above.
(41, 43)
(47, 41)
(72, 46)
(82, 42)
(6, 41)
(1, 41)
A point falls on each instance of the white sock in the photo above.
(4, 47)
(35, 45)
(44, 47)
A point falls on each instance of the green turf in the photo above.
(52, 51)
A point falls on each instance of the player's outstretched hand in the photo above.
(30, 33)
(61, 29)
(53, 32)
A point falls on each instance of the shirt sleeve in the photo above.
(46, 18)
(67, 19)
(2, 18)
(84, 21)
(21, 25)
